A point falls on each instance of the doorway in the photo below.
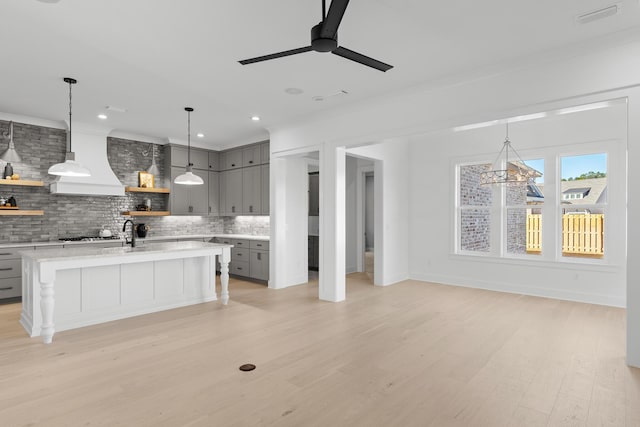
(369, 221)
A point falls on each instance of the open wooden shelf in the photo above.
(146, 213)
(146, 190)
(19, 212)
(21, 182)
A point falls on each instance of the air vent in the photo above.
(595, 15)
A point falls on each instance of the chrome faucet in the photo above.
(133, 232)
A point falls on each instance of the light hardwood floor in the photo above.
(412, 354)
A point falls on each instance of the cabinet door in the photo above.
(314, 195)
(259, 265)
(251, 156)
(214, 161)
(178, 156)
(199, 194)
(200, 159)
(266, 152)
(251, 189)
(233, 192)
(214, 193)
(179, 194)
(232, 159)
(265, 189)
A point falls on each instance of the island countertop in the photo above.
(85, 253)
(96, 285)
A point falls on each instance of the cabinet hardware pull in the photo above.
(233, 208)
(5, 253)
(251, 208)
(250, 161)
(239, 268)
(233, 164)
(6, 269)
(259, 256)
(239, 254)
(6, 289)
(209, 209)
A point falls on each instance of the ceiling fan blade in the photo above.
(276, 55)
(334, 17)
(362, 59)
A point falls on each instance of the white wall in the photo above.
(432, 218)
(586, 74)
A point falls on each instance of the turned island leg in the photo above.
(225, 257)
(46, 306)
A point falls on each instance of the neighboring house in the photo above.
(581, 192)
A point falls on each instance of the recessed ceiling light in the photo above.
(102, 116)
(200, 135)
(255, 118)
(293, 91)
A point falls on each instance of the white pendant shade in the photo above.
(10, 154)
(69, 168)
(153, 169)
(188, 178)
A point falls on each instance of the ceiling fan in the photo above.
(324, 38)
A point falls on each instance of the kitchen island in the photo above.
(87, 286)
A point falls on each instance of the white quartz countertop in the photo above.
(87, 253)
(69, 244)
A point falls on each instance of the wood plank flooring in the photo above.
(412, 354)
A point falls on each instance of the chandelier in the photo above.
(511, 172)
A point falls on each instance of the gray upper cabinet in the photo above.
(214, 193)
(265, 152)
(231, 192)
(231, 159)
(251, 190)
(199, 158)
(265, 189)
(189, 199)
(251, 156)
(214, 161)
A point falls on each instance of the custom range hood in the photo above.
(90, 147)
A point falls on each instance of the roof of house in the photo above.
(594, 190)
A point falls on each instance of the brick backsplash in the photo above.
(65, 216)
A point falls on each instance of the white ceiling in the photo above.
(154, 57)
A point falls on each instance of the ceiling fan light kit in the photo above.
(324, 38)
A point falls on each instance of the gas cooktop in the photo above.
(87, 238)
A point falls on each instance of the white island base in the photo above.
(69, 288)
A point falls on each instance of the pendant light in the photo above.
(153, 169)
(10, 154)
(188, 178)
(70, 167)
(515, 172)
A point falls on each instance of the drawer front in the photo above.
(12, 253)
(238, 254)
(10, 268)
(260, 244)
(10, 288)
(240, 243)
(239, 268)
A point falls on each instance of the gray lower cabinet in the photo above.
(249, 258)
(11, 272)
(189, 199)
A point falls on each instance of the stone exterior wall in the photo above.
(475, 224)
(65, 216)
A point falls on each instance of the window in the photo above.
(584, 201)
(523, 213)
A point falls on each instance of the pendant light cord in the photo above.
(189, 137)
(70, 149)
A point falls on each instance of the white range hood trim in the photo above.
(90, 148)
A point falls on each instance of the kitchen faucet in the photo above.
(133, 232)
